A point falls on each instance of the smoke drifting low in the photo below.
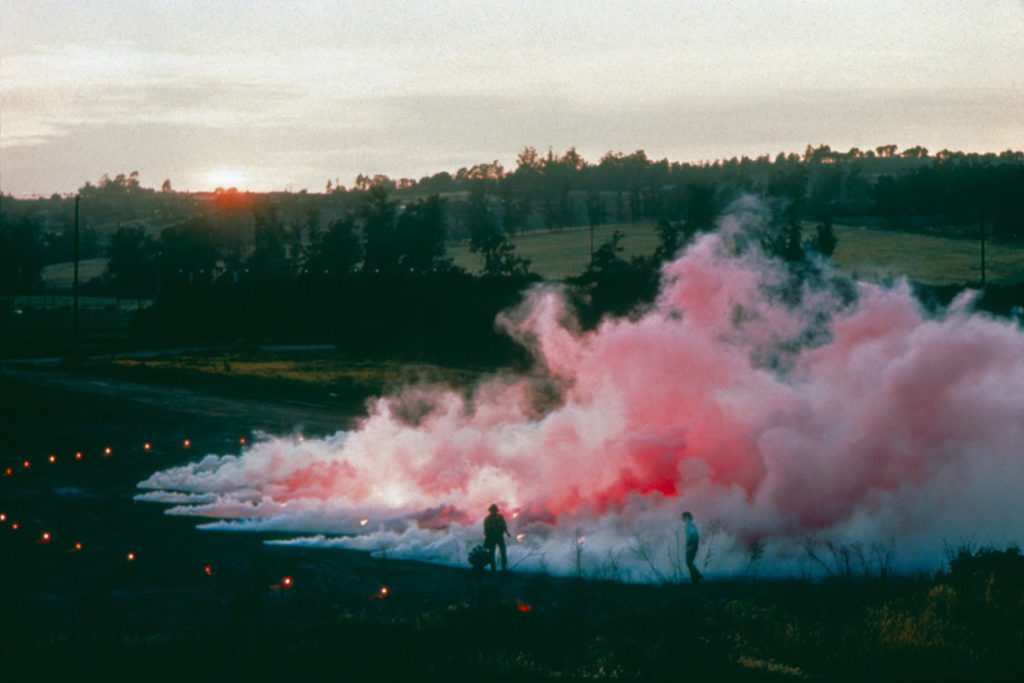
(852, 417)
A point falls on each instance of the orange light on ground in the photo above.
(364, 522)
(187, 443)
(108, 450)
(78, 455)
(520, 537)
(52, 459)
(208, 570)
(45, 538)
(131, 557)
(515, 515)
(146, 446)
(15, 526)
(242, 441)
(78, 546)
(523, 607)
(8, 472)
(26, 464)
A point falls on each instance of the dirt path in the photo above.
(274, 415)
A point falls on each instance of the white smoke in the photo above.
(847, 423)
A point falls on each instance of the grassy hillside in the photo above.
(877, 254)
(566, 252)
(867, 253)
(870, 254)
(60, 276)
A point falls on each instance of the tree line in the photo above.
(157, 238)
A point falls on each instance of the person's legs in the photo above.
(691, 555)
(504, 554)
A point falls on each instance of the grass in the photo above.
(61, 275)
(880, 254)
(313, 375)
(865, 253)
(565, 253)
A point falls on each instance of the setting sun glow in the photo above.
(225, 177)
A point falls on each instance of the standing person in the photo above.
(692, 543)
(495, 531)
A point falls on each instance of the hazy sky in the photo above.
(266, 95)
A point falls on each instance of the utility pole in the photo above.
(74, 289)
(983, 248)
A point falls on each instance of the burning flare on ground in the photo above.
(781, 412)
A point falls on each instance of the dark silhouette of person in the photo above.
(692, 543)
(495, 531)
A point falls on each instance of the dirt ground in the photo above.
(147, 596)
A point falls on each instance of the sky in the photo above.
(286, 95)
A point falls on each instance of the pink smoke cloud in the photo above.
(892, 424)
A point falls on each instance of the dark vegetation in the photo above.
(366, 268)
(92, 614)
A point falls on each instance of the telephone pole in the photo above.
(75, 349)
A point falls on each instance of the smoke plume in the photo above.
(799, 420)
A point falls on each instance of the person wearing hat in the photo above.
(495, 531)
(692, 543)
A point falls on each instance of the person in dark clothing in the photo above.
(495, 531)
(692, 543)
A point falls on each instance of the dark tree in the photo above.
(187, 253)
(378, 215)
(336, 250)
(421, 233)
(487, 240)
(21, 254)
(701, 208)
(825, 240)
(130, 266)
(269, 257)
(608, 258)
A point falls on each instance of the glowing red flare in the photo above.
(8, 472)
(146, 446)
(187, 444)
(364, 522)
(208, 570)
(78, 546)
(45, 537)
(524, 608)
(242, 441)
(131, 557)
(78, 455)
(53, 459)
(383, 590)
(108, 450)
(286, 582)
(14, 526)
(26, 464)
(3, 517)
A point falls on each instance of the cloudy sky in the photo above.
(270, 95)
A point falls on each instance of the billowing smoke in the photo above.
(801, 421)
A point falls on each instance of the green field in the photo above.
(868, 254)
(59, 276)
(879, 254)
(565, 253)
